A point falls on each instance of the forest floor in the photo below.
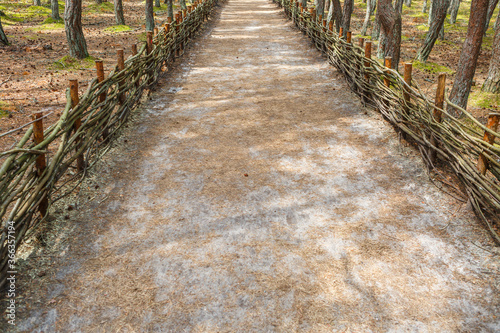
(34, 70)
(234, 204)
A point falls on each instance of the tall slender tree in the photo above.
(3, 37)
(170, 9)
(157, 3)
(120, 19)
(37, 2)
(491, 8)
(370, 9)
(390, 22)
(469, 55)
(182, 3)
(150, 19)
(54, 9)
(320, 7)
(492, 83)
(335, 13)
(454, 7)
(74, 31)
(440, 7)
(346, 15)
(424, 7)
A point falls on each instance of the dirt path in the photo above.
(256, 194)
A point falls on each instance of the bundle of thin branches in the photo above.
(457, 142)
(23, 188)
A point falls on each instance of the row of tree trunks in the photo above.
(389, 17)
(346, 15)
(3, 37)
(492, 83)
(439, 9)
(469, 55)
(74, 31)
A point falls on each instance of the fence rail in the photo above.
(32, 179)
(464, 144)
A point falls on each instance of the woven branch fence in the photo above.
(464, 144)
(32, 178)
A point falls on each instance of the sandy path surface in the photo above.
(256, 194)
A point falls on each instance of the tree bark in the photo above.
(408, 3)
(370, 8)
(491, 8)
(37, 2)
(424, 7)
(492, 83)
(120, 19)
(304, 3)
(327, 6)
(98, 1)
(170, 9)
(454, 7)
(440, 8)
(183, 4)
(54, 8)
(157, 3)
(390, 23)
(335, 13)
(3, 37)
(376, 29)
(320, 7)
(346, 15)
(74, 31)
(468, 57)
(150, 20)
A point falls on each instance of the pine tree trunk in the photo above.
(54, 7)
(390, 23)
(368, 13)
(170, 9)
(157, 3)
(37, 3)
(150, 20)
(382, 43)
(491, 9)
(454, 7)
(492, 83)
(346, 15)
(304, 3)
(376, 29)
(431, 13)
(424, 7)
(327, 6)
(468, 57)
(3, 37)
(320, 7)
(120, 19)
(336, 13)
(74, 31)
(98, 1)
(440, 8)
(408, 3)
(183, 4)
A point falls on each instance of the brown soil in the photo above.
(255, 194)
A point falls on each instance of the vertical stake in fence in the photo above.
(388, 64)
(341, 32)
(348, 37)
(368, 55)
(102, 97)
(437, 113)
(134, 49)
(40, 162)
(177, 51)
(482, 163)
(330, 25)
(121, 66)
(73, 89)
(361, 42)
(181, 19)
(155, 31)
(407, 77)
(149, 42)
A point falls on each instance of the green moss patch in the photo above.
(50, 20)
(49, 26)
(117, 28)
(70, 63)
(484, 100)
(432, 67)
(105, 7)
(6, 109)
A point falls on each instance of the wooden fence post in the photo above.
(368, 55)
(407, 77)
(149, 42)
(40, 162)
(341, 32)
(330, 25)
(361, 42)
(482, 163)
(437, 113)
(73, 88)
(388, 64)
(102, 97)
(121, 66)
(177, 51)
(348, 37)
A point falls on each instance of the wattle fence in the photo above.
(32, 178)
(463, 144)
